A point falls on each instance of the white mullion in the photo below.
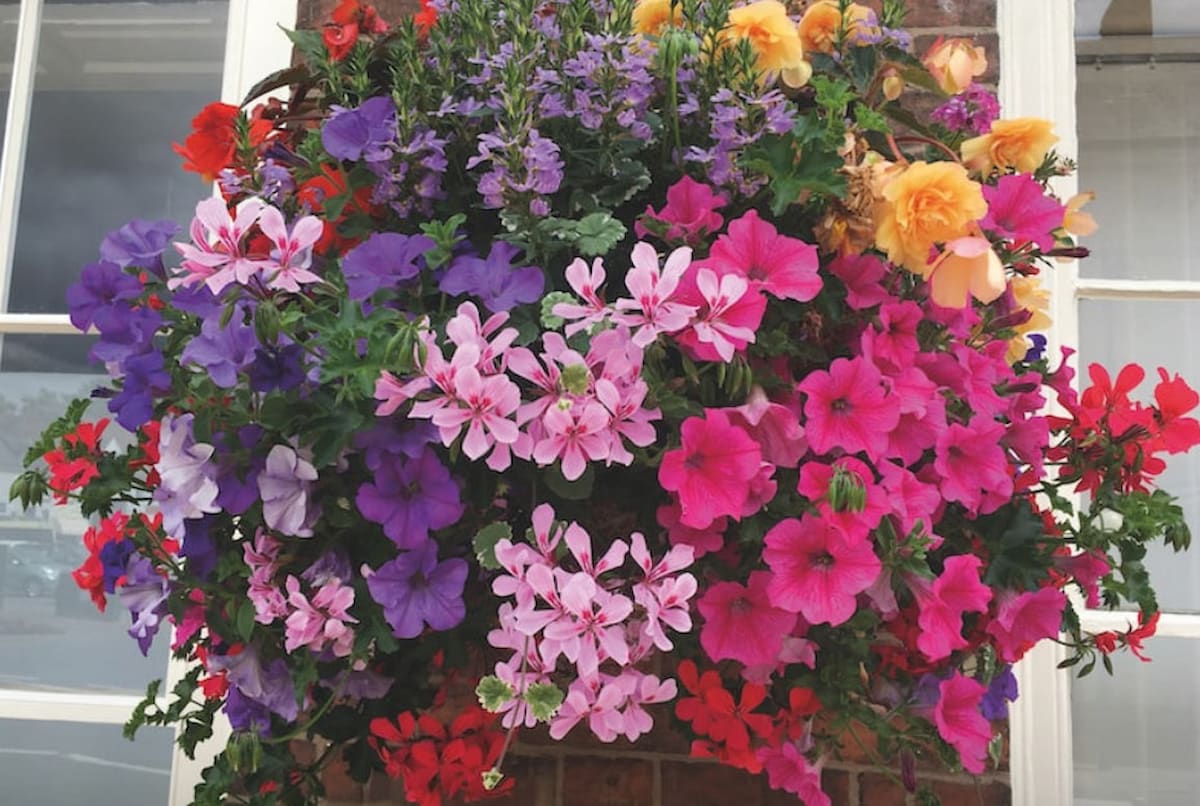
(67, 706)
(1136, 290)
(38, 323)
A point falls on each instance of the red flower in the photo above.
(213, 143)
(714, 713)
(350, 18)
(339, 39)
(425, 18)
(1145, 629)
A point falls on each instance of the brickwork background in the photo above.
(657, 772)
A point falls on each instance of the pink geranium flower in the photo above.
(575, 434)
(288, 265)
(960, 722)
(741, 624)
(654, 307)
(1020, 210)
(728, 313)
(848, 408)
(712, 470)
(817, 570)
(216, 256)
(784, 267)
(690, 213)
(1023, 619)
(485, 405)
(956, 591)
(586, 283)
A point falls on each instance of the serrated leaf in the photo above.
(597, 233)
(492, 779)
(493, 693)
(484, 543)
(544, 700)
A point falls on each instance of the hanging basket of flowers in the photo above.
(586, 363)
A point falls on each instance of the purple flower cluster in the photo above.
(495, 281)
(971, 112)
(416, 591)
(526, 171)
(412, 181)
(410, 498)
(612, 85)
(737, 121)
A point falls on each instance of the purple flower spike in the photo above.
(497, 284)
(100, 286)
(384, 260)
(140, 243)
(362, 133)
(416, 590)
(409, 498)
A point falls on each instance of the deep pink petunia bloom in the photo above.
(702, 540)
(973, 468)
(789, 770)
(910, 500)
(956, 591)
(774, 426)
(741, 624)
(818, 571)
(690, 213)
(960, 722)
(712, 470)
(781, 266)
(1023, 619)
(863, 276)
(1020, 210)
(848, 408)
(1086, 568)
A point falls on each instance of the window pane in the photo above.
(8, 44)
(50, 634)
(1137, 734)
(1115, 333)
(117, 83)
(68, 763)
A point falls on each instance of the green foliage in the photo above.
(543, 700)
(485, 542)
(493, 693)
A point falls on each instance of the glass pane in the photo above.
(1137, 734)
(68, 763)
(117, 83)
(1115, 333)
(1110, 19)
(8, 44)
(51, 636)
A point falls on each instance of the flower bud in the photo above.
(893, 85)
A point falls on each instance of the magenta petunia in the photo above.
(784, 267)
(973, 467)
(1020, 210)
(1023, 619)
(711, 472)
(741, 624)
(817, 570)
(689, 215)
(848, 408)
(960, 722)
(955, 591)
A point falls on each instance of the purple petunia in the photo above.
(140, 243)
(124, 331)
(384, 260)
(279, 367)
(495, 281)
(186, 489)
(198, 547)
(416, 590)
(144, 379)
(409, 498)
(222, 351)
(363, 133)
(1001, 691)
(144, 594)
(101, 287)
(268, 685)
(391, 437)
(114, 557)
(285, 485)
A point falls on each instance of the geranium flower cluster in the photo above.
(749, 358)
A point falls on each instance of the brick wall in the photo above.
(658, 772)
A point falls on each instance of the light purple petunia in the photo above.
(100, 288)
(270, 686)
(384, 260)
(187, 488)
(498, 284)
(139, 243)
(411, 497)
(285, 485)
(144, 594)
(416, 590)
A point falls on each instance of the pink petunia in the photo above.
(973, 467)
(863, 276)
(775, 427)
(848, 408)
(741, 624)
(955, 591)
(702, 540)
(910, 500)
(712, 470)
(788, 770)
(689, 215)
(1020, 210)
(784, 267)
(1023, 619)
(1086, 568)
(817, 570)
(960, 722)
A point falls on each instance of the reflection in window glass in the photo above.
(117, 83)
(68, 763)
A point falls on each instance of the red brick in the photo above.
(972, 793)
(608, 782)
(691, 784)
(339, 786)
(879, 790)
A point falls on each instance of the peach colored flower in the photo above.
(968, 267)
(774, 37)
(954, 63)
(819, 25)
(1077, 222)
(1020, 143)
(924, 205)
(1032, 296)
(651, 16)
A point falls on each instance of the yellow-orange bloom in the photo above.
(819, 25)
(1020, 143)
(1033, 297)
(969, 267)
(651, 16)
(926, 204)
(1077, 222)
(774, 38)
(954, 63)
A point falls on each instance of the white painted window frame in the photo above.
(1037, 78)
(254, 47)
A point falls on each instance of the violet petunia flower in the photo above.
(144, 594)
(100, 288)
(495, 281)
(268, 685)
(363, 133)
(285, 485)
(280, 367)
(140, 243)
(124, 331)
(383, 260)
(114, 558)
(223, 352)
(1001, 691)
(392, 437)
(247, 714)
(416, 591)
(144, 379)
(410, 498)
(186, 489)
(198, 547)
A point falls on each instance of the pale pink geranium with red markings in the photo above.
(485, 405)
(689, 215)
(741, 624)
(712, 470)
(728, 313)
(960, 722)
(575, 434)
(216, 256)
(781, 266)
(957, 590)
(817, 569)
(848, 408)
(287, 267)
(654, 305)
(585, 282)
(1023, 619)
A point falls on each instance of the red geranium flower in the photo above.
(212, 145)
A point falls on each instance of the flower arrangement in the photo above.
(588, 363)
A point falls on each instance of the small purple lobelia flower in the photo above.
(144, 594)
(100, 287)
(363, 133)
(384, 260)
(495, 281)
(140, 243)
(416, 590)
(411, 497)
(285, 485)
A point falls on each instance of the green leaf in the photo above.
(597, 233)
(485, 543)
(245, 620)
(549, 320)
(577, 490)
(544, 700)
(65, 424)
(493, 693)
(296, 74)
(492, 779)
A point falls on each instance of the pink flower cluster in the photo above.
(597, 618)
